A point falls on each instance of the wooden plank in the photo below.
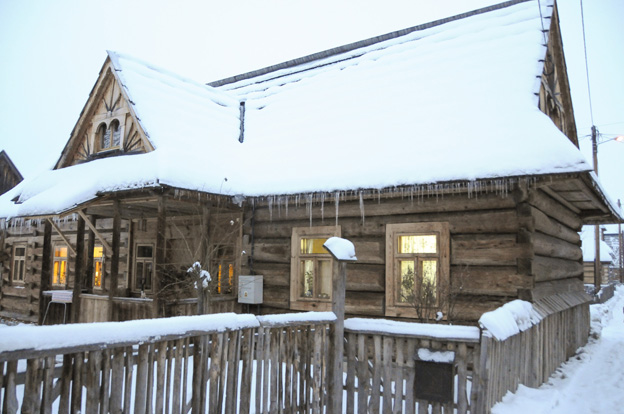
(317, 370)
(46, 267)
(140, 395)
(77, 382)
(462, 378)
(363, 375)
(351, 365)
(547, 268)
(128, 379)
(116, 387)
(177, 375)
(79, 270)
(114, 265)
(48, 385)
(11, 404)
(92, 381)
(377, 370)
(397, 406)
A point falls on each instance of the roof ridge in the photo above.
(360, 44)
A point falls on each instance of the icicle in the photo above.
(309, 207)
(286, 202)
(337, 203)
(322, 206)
(362, 207)
(270, 199)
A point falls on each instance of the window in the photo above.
(417, 269)
(144, 267)
(311, 268)
(59, 272)
(223, 264)
(19, 263)
(98, 267)
(108, 137)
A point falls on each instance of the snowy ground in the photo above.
(591, 382)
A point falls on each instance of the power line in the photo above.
(591, 112)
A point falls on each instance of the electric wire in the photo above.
(591, 112)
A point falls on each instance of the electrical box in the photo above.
(250, 289)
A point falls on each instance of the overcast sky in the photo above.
(51, 53)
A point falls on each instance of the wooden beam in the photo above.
(46, 266)
(78, 270)
(160, 254)
(65, 239)
(91, 226)
(114, 271)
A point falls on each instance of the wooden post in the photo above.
(79, 269)
(336, 340)
(46, 266)
(160, 254)
(114, 271)
(89, 267)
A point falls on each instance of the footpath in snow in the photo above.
(590, 382)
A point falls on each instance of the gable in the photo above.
(107, 125)
(555, 99)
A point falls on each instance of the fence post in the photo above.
(342, 251)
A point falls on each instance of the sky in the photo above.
(51, 54)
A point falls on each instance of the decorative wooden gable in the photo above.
(555, 99)
(107, 125)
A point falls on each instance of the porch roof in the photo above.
(454, 101)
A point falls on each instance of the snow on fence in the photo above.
(399, 367)
(525, 343)
(213, 363)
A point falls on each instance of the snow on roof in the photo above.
(588, 245)
(452, 102)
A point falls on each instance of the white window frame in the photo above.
(143, 259)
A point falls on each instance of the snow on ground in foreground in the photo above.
(591, 382)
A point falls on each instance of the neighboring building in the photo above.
(9, 174)
(607, 256)
(446, 152)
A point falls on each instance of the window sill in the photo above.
(311, 306)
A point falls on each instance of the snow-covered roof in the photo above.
(588, 245)
(456, 101)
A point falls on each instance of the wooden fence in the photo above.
(407, 371)
(234, 365)
(531, 356)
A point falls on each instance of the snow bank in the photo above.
(26, 337)
(508, 320)
(384, 326)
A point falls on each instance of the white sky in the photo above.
(51, 54)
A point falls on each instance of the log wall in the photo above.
(491, 246)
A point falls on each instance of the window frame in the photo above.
(296, 301)
(102, 261)
(60, 259)
(143, 259)
(22, 259)
(394, 308)
(105, 126)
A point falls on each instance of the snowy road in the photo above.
(591, 382)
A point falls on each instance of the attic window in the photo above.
(108, 136)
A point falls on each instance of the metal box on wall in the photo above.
(250, 289)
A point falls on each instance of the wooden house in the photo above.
(608, 258)
(9, 174)
(446, 152)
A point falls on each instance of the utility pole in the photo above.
(597, 270)
(620, 252)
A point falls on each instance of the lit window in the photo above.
(59, 273)
(311, 268)
(417, 269)
(98, 267)
(19, 263)
(144, 267)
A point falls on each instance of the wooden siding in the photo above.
(485, 248)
